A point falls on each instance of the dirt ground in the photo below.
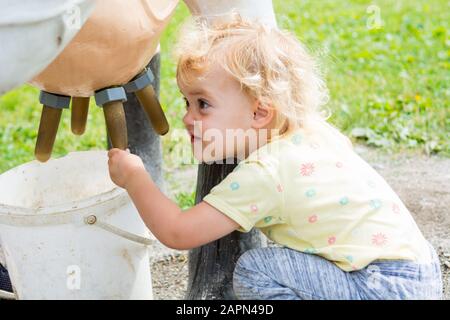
(422, 182)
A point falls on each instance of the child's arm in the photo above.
(173, 227)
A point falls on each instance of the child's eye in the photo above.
(203, 104)
(186, 102)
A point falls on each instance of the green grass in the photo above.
(186, 200)
(389, 86)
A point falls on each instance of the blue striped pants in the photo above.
(282, 273)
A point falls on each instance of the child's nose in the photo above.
(189, 118)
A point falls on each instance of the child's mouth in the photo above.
(193, 138)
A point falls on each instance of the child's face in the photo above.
(216, 107)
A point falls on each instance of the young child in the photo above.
(253, 93)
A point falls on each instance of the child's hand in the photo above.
(123, 166)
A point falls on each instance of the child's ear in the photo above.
(262, 115)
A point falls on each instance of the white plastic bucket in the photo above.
(68, 232)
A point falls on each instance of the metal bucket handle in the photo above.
(92, 220)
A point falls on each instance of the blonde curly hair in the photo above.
(270, 64)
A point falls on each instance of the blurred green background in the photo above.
(388, 79)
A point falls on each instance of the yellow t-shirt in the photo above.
(311, 192)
